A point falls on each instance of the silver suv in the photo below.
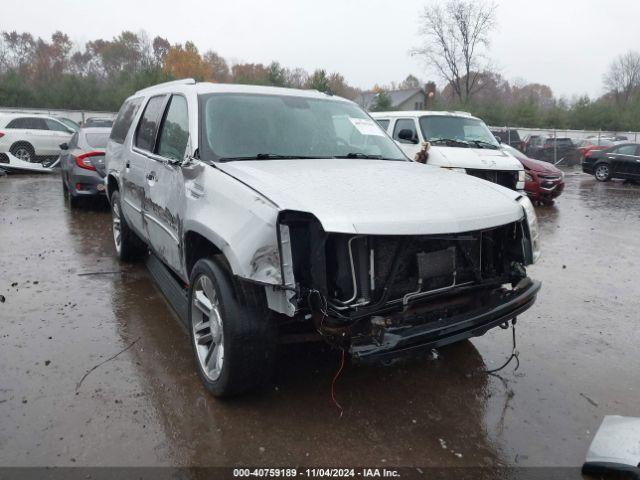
(282, 214)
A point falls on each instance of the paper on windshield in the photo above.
(366, 126)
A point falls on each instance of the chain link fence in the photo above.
(559, 146)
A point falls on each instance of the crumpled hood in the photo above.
(379, 197)
(479, 158)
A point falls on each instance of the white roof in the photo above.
(421, 113)
(189, 85)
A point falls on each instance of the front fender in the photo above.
(239, 221)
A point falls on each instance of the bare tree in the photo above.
(455, 36)
(623, 76)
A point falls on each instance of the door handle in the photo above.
(151, 176)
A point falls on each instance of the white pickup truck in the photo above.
(458, 141)
(287, 213)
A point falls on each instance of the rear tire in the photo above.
(232, 335)
(602, 172)
(74, 201)
(128, 245)
(65, 189)
(23, 151)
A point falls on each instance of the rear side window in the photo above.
(96, 140)
(30, 123)
(148, 126)
(18, 123)
(174, 133)
(404, 124)
(124, 120)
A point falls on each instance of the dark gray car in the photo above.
(82, 164)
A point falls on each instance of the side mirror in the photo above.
(64, 146)
(407, 135)
(498, 139)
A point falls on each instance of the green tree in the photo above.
(382, 102)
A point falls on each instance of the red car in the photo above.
(544, 182)
(592, 144)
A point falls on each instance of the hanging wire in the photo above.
(514, 353)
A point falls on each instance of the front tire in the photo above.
(129, 247)
(23, 151)
(232, 335)
(602, 172)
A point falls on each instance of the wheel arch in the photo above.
(112, 185)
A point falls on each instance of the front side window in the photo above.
(253, 126)
(457, 131)
(405, 131)
(174, 133)
(148, 126)
(124, 119)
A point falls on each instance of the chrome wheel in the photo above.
(117, 228)
(23, 154)
(602, 172)
(206, 324)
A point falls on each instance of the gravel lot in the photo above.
(68, 305)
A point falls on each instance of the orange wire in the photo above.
(333, 384)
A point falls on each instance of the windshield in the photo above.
(239, 126)
(70, 123)
(515, 152)
(97, 140)
(460, 130)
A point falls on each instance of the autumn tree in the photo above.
(623, 77)
(409, 83)
(218, 67)
(185, 62)
(455, 36)
(161, 47)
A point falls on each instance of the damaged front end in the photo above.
(378, 295)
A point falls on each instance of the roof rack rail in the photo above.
(182, 81)
(460, 112)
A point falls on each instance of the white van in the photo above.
(459, 141)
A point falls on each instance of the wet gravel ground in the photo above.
(67, 306)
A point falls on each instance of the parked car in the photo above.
(591, 144)
(509, 137)
(457, 140)
(544, 182)
(619, 161)
(82, 164)
(285, 209)
(28, 137)
(551, 149)
(98, 122)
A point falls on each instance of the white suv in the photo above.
(27, 137)
(458, 141)
(275, 212)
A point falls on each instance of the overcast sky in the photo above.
(566, 44)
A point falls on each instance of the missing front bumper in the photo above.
(393, 341)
